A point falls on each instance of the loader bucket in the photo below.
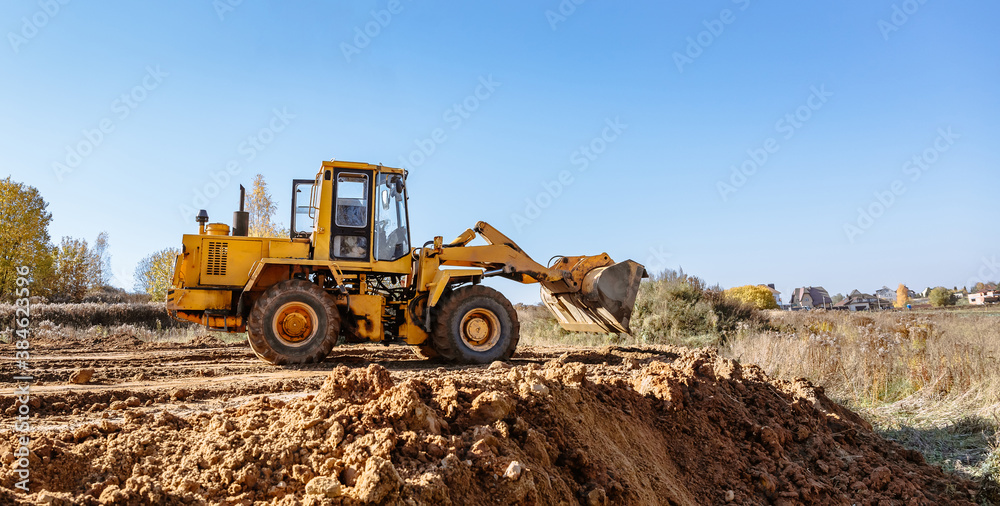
(603, 304)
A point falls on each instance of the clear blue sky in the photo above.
(839, 97)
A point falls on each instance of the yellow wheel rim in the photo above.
(295, 323)
(480, 329)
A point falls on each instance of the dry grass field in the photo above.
(928, 379)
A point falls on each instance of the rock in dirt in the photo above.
(513, 471)
(490, 406)
(324, 486)
(81, 376)
(597, 497)
(377, 481)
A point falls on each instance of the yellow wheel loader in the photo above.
(348, 272)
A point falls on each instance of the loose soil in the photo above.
(205, 422)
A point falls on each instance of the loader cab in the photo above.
(369, 219)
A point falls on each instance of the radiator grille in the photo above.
(218, 256)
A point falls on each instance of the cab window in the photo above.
(352, 200)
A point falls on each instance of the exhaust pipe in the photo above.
(241, 218)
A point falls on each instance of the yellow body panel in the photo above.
(443, 278)
(227, 261)
(220, 300)
(299, 249)
(321, 235)
(368, 310)
(412, 333)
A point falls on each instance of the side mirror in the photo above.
(398, 183)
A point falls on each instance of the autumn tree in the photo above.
(902, 296)
(72, 271)
(100, 262)
(758, 296)
(982, 287)
(941, 296)
(837, 298)
(24, 237)
(155, 272)
(261, 207)
(78, 269)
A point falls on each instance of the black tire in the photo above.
(310, 329)
(475, 325)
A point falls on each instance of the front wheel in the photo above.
(293, 322)
(476, 325)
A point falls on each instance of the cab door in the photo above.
(351, 220)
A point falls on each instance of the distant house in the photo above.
(987, 297)
(858, 301)
(775, 293)
(926, 293)
(809, 297)
(886, 293)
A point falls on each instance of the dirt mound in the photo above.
(697, 430)
(116, 341)
(207, 341)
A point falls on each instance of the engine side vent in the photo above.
(218, 257)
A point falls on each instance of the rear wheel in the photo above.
(293, 322)
(476, 325)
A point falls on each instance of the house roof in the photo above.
(818, 294)
(860, 295)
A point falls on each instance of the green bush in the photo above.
(941, 296)
(673, 307)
